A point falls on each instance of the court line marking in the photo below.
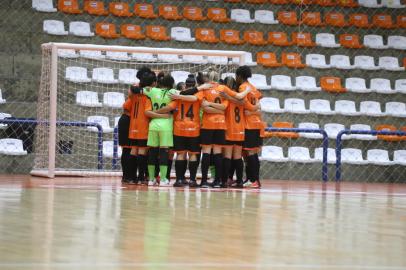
(216, 265)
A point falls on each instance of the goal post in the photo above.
(87, 83)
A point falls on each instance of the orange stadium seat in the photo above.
(217, 15)
(292, 60)
(95, 8)
(157, 32)
(280, 2)
(279, 134)
(254, 37)
(230, 36)
(383, 21)
(278, 39)
(348, 3)
(326, 3)
(287, 17)
(106, 30)
(359, 20)
(302, 39)
(145, 11)
(403, 129)
(169, 13)
(389, 138)
(206, 35)
(267, 59)
(312, 19)
(332, 85)
(193, 14)
(302, 2)
(256, 1)
(232, 1)
(69, 6)
(404, 62)
(132, 31)
(120, 9)
(401, 21)
(350, 41)
(336, 19)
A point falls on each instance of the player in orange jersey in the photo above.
(124, 143)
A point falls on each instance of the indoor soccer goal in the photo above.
(81, 94)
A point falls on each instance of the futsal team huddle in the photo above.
(205, 120)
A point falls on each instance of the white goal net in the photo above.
(81, 94)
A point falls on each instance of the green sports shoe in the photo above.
(164, 183)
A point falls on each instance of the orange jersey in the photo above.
(214, 120)
(127, 106)
(138, 121)
(186, 119)
(253, 97)
(235, 119)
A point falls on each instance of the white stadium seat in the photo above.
(91, 54)
(4, 116)
(271, 105)
(320, 106)
(340, 61)
(306, 83)
(364, 137)
(399, 157)
(378, 157)
(181, 34)
(127, 76)
(365, 62)
(259, 81)
(265, 17)
(103, 121)
(108, 147)
(371, 108)
(393, 4)
(12, 147)
(144, 57)
(326, 40)
(374, 42)
(43, 6)
(67, 53)
(77, 74)
(227, 74)
(357, 85)
(194, 59)
(218, 60)
(282, 82)
(316, 61)
(295, 105)
(300, 154)
(333, 129)
(103, 75)
(381, 86)
(345, 107)
(397, 42)
(113, 99)
(370, 3)
(390, 63)
(121, 56)
(352, 156)
(273, 154)
(248, 60)
(397, 109)
(308, 125)
(87, 99)
(2, 100)
(116, 119)
(400, 86)
(331, 155)
(80, 29)
(241, 16)
(54, 27)
(170, 58)
(179, 76)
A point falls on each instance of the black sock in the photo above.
(218, 164)
(133, 167)
(239, 168)
(168, 173)
(226, 169)
(180, 168)
(205, 166)
(232, 169)
(257, 167)
(125, 164)
(252, 164)
(193, 165)
(142, 167)
(247, 169)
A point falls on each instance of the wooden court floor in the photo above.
(82, 223)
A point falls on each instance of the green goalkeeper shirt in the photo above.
(159, 99)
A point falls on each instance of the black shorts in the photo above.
(212, 137)
(188, 144)
(233, 143)
(252, 139)
(138, 143)
(123, 129)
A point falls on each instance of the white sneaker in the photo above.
(152, 183)
(164, 183)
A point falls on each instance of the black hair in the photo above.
(200, 78)
(179, 86)
(159, 78)
(147, 79)
(190, 81)
(142, 71)
(244, 72)
(231, 83)
(167, 82)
